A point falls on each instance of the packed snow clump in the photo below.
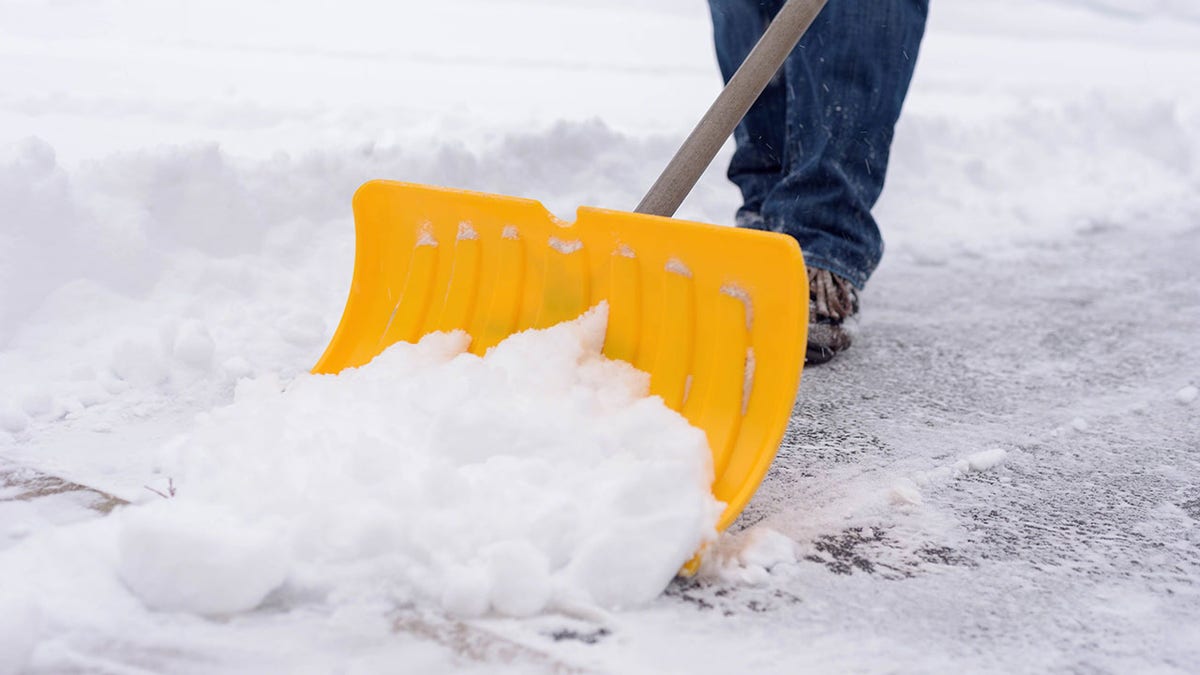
(540, 476)
(749, 556)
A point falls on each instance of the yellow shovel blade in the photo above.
(716, 315)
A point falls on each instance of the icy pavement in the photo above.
(1073, 546)
(1002, 475)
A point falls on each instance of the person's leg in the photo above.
(846, 82)
(757, 165)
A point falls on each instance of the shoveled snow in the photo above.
(541, 475)
(189, 556)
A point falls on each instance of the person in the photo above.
(812, 152)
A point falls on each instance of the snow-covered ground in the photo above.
(1002, 475)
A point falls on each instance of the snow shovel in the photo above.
(716, 315)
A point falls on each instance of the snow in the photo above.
(749, 557)
(540, 477)
(542, 467)
(1000, 476)
(986, 459)
(187, 557)
(12, 420)
(565, 246)
(19, 624)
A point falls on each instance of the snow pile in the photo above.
(540, 476)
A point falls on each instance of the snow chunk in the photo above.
(179, 556)
(987, 459)
(91, 393)
(973, 463)
(1187, 394)
(13, 420)
(906, 493)
(520, 578)
(767, 548)
(37, 403)
(236, 368)
(138, 363)
(749, 557)
(194, 346)
(466, 591)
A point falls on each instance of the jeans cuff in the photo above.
(856, 278)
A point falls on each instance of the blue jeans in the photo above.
(812, 152)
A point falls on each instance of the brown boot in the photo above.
(831, 300)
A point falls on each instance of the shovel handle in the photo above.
(743, 89)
